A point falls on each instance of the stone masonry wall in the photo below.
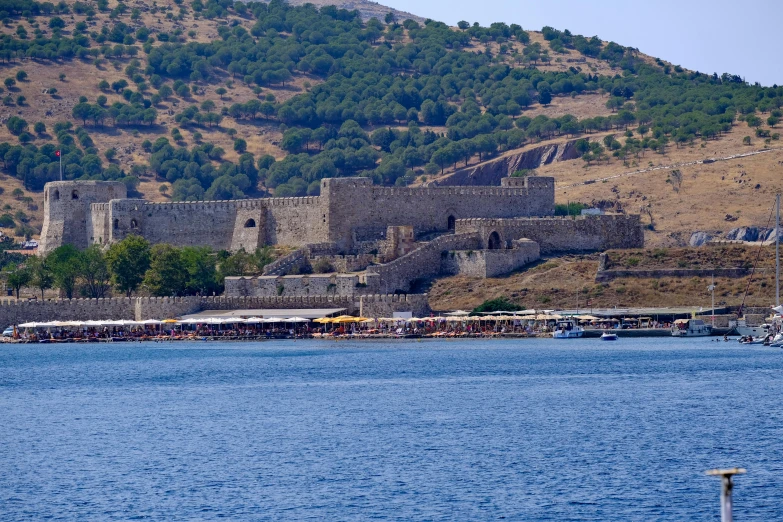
(357, 207)
(293, 285)
(140, 308)
(491, 263)
(385, 305)
(422, 262)
(560, 235)
(348, 209)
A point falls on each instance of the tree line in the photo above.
(133, 265)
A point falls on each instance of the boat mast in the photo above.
(777, 250)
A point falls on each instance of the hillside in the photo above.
(219, 100)
(555, 283)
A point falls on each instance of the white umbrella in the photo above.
(192, 320)
(254, 320)
(274, 320)
(32, 325)
(230, 320)
(151, 321)
(113, 323)
(297, 320)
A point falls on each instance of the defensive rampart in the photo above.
(491, 263)
(348, 210)
(560, 235)
(423, 262)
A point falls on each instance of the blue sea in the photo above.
(399, 430)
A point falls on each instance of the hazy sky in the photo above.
(739, 37)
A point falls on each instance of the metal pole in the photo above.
(777, 250)
(725, 492)
(61, 165)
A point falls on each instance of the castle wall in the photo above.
(491, 263)
(208, 223)
(349, 211)
(140, 308)
(67, 213)
(296, 221)
(560, 235)
(375, 306)
(293, 285)
(421, 263)
(359, 211)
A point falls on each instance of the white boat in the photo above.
(753, 331)
(568, 329)
(608, 336)
(691, 328)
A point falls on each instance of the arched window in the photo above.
(134, 223)
(452, 222)
(250, 223)
(56, 194)
(494, 242)
(116, 224)
(74, 195)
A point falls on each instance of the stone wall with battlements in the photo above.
(140, 308)
(349, 210)
(359, 210)
(68, 215)
(561, 235)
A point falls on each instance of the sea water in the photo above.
(397, 430)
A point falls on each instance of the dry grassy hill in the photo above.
(558, 283)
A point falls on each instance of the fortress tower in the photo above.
(67, 213)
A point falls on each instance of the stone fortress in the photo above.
(366, 239)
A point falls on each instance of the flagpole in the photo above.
(61, 164)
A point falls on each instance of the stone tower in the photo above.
(67, 211)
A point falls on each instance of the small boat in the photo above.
(568, 329)
(754, 340)
(608, 336)
(691, 328)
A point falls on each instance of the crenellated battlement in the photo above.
(344, 216)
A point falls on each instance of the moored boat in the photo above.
(568, 329)
(691, 328)
(609, 336)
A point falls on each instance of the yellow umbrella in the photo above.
(348, 319)
(170, 321)
(323, 320)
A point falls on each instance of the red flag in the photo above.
(57, 153)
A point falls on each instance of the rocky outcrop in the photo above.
(751, 234)
(699, 238)
(491, 172)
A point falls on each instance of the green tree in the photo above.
(21, 75)
(39, 127)
(200, 264)
(40, 274)
(65, 265)
(95, 272)
(240, 145)
(167, 273)
(17, 276)
(128, 261)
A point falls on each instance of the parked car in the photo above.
(8, 332)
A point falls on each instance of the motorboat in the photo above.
(691, 328)
(752, 331)
(608, 336)
(776, 341)
(568, 329)
(754, 340)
